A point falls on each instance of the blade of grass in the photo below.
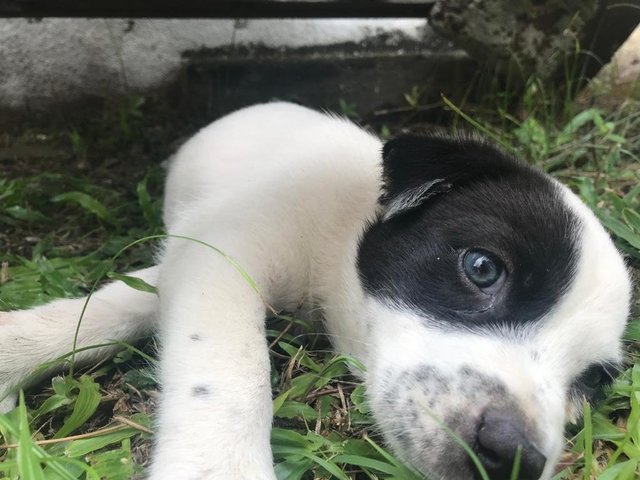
(588, 440)
(516, 463)
(477, 125)
(474, 458)
(28, 463)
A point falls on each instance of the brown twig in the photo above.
(124, 423)
(132, 424)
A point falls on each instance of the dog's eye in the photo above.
(591, 382)
(595, 377)
(484, 269)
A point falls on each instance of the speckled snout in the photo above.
(426, 414)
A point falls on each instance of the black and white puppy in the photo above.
(479, 293)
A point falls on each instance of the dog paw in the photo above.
(221, 465)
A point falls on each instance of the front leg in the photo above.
(215, 414)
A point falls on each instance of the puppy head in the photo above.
(496, 304)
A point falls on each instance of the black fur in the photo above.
(493, 202)
(200, 391)
(590, 385)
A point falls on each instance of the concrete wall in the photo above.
(58, 60)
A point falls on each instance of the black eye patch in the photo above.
(591, 383)
(497, 246)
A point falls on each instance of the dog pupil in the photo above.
(481, 268)
(484, 270)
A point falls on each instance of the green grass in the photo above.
(64, 215)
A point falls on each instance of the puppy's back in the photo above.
(268, 140)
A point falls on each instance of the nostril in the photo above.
(495, 442)
(500, 433)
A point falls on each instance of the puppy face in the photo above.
(496, 303)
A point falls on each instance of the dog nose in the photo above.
(500, 434)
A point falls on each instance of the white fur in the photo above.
(287, 192)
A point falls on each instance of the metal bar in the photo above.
(215, 8)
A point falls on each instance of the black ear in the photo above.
(417, 167)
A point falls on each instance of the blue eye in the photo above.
(484, 269)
